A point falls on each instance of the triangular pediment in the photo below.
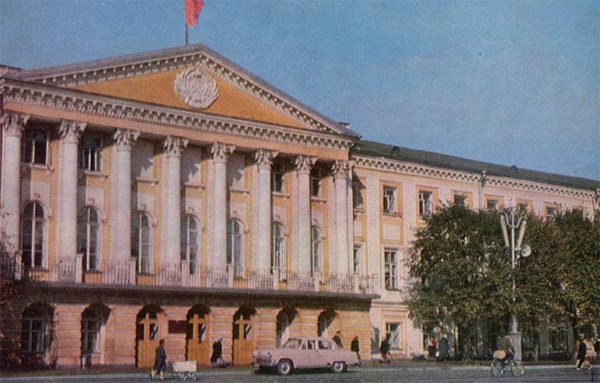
(193, 78)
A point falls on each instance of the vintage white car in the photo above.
(304, 353)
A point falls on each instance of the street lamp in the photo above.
(517, 250)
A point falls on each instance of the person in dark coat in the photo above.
(338, 340)
(216, 358)
(160, 361)
(355, 347)
(444, 349)
(581, 351)
(384, 348)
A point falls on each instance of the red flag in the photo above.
(192, 10)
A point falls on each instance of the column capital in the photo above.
(342, 169)
(13, 123)
(264, 158)
(221, 151)
(173, 146)
(70, 131)
(303, 164)
(124, 139)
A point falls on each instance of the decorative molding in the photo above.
(173, 146)
(70, 131)
(264, 158)
(454, 175)
(221, 151)
(13, 124)
(303, 164)
(196, 88)
(124, 139)
(342, 169)
(199, 60)
(97, 105)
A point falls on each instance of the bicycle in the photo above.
(500, 366)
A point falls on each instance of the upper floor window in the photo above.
(87, 237)
(190, 239)
(425, 203)
(90, 153)
(523, 207)
(277, 177)
(315, 182)
(35, 148)
(140, 241)
(235, 246)
(278, 261)
(389, 200)
(316, 250)
(391, 269)
(357, 259)
(357, 200)
(492, 204)
(460, 200)
(33, 235)
(550, 212)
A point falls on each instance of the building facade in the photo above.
(173, 195)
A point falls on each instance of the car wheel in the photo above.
(284, 367)
(338, 367)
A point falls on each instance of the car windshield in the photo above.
(292, 343)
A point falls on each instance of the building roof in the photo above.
(376, 149)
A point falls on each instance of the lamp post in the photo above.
(517, 250)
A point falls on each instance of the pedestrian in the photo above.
(581, 351)
(431, 347)
(338, 340)
(355, 347)
(444, 349)
(160, 361)
(216, 359)
(384, 348)
(506, 345)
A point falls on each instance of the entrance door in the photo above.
(243, 337)
(198, 348)
(147, 338)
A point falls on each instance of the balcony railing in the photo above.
(123, 273)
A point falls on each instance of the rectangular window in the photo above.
(89, 155)
(460, 200)
(550, 212)
(35, 148)
(492, 205)
(389, 200)
(391, 269)
(277, 178)
(523, 207)
(315, 182)
(425, 204)
(357, 201)
(393, 330)
(357, 256)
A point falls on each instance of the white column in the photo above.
(171, 199)
(303, 249)
(220, 153)
(262, 259)
(341, 170)
(12, 129)
(121, 199)
(70, 132)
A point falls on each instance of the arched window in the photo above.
(278, 248)
(235, 246)
(190, 242)
(32, 240)
(33, 331)
(316, 250)
(140, 241)
(87, 237)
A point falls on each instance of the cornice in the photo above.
(414, 169)
(37, 94)
(198, 59)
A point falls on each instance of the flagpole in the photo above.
(186, 35)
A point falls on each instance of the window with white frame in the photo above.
(316, 250)
(140, 241)
(35, 148)
(87, 237)
(90, 153)
(278, 260)
(357, 200)
(315, 182)
(550, 212)
(391, 269)
(357, 259)
(389, 200)
(425, 203)
(33, 331)
(33, 235)
(492, 204)
(235, 247)
(277, 173)
(90, 327)
(393, 330)
(190, 242)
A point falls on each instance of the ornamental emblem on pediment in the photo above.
(196, 88)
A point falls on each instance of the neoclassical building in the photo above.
(173, 195)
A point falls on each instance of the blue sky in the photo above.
(509, 82)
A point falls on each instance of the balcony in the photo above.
(178, 275)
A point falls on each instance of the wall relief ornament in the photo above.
(196, 88)
(303, 164)
(70, 131)
(174, 146)
(342, 169)
(264, 158)
(125, 138)
(221, 151)
(13, 123)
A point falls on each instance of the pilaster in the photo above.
(262, 259)
(220, 152)
(303, 165)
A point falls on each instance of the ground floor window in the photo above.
(393, 330)
(33, 330)
(90, 326)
